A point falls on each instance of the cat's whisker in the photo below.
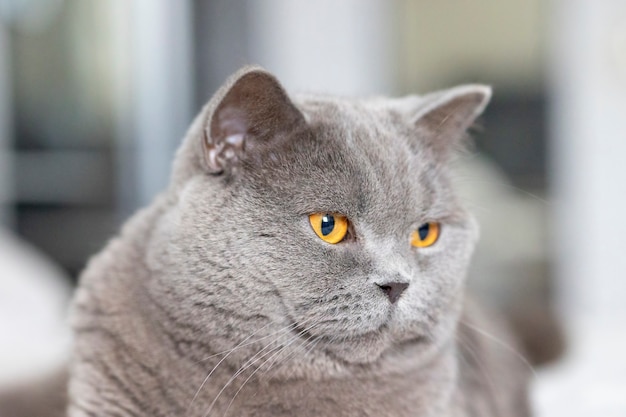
(475, 207)
(445, 119)
(467, 180)
(271, 358)
(310, 339)
(304, 345)
(241, 345)
(312, 344)
(241, 370)
(308, 347)
(502, 344)
(283, 330)
(250, 362)
(466, 344)
(258, 368)
(222, 360)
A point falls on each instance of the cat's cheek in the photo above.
(423, 317)
(343, 314)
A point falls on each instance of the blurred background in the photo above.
(95, 97)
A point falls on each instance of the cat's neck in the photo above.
(152, 379)
(424, 392)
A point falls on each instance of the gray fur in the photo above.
(218, 299)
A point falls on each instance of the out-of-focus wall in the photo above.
(588, 82)
(498, 42)
(588, 142)
(6, 142)
(153, 90)
(439, 44)
(325, 46)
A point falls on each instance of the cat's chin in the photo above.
(371, 347)
(359, 350)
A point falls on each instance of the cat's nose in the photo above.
(393, 290)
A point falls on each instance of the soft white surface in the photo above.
(591, 379)
(34, 336)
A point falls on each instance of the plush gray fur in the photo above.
(219, 299)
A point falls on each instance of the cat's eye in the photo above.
(426, 235)
(331, 228)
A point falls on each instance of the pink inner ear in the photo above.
(227, 138)
(235, 140)
(252, 112)
(231, 121)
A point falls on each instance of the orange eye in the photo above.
(426, 235)
(331, 228)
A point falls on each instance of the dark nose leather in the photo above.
(393, 290)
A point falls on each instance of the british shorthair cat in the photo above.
(307, 259)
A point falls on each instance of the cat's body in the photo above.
(219, 299)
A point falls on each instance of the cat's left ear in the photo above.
(254, 112)
(442, 118)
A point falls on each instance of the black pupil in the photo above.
(328, 224)
(423, 231)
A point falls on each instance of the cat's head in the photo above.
(258, 184)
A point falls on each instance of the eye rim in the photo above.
(431, 238)
(341, 232)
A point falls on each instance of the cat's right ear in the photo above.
(253, 112)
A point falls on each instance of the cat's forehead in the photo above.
(364, 128)
(356, 160)
(372, 132)
(349, 113)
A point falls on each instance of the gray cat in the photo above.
(307, 259)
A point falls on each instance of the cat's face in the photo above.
(244, 262)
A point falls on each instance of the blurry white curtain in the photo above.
(587, 64)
